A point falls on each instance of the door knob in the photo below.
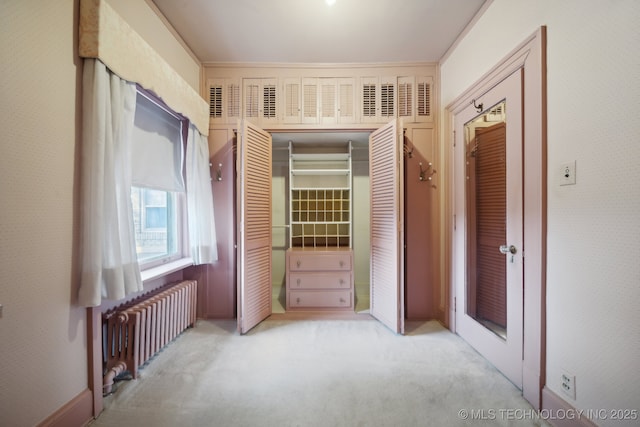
(508, 249)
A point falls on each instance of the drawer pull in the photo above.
(298, 263)
(342, 281)
(341, 263)
(298, 300)
(298, 282)
(342, 300)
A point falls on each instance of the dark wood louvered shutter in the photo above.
(487, 200)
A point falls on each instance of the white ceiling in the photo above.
(310, 31)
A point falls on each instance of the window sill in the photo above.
(165, 269)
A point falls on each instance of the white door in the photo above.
(254, 227)
(387, 226)
(489, 226)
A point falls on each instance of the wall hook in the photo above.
(477, 107)
(408, 152)
(427, 174)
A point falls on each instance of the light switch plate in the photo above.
(567, 173)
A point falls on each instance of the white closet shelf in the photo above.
(320, 157)
(319, 188)
(320, 172)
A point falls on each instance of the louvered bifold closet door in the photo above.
(387, 226)
(254, 207)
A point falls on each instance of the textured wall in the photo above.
(593, 274)
(42, 335)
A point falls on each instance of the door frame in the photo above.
(530, 56)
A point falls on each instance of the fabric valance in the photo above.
(104, 35)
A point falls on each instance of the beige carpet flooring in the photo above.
(316, 373)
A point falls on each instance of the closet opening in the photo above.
(302, 224)
(320, 221)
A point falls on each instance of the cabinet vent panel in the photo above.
(424, 99)
(405, 99)
(387, 99)
(233, 100)
(251, 100)
(346, 100)
(369, 100)
(328, 100)
(292, 103)
(215, 101)
(269, 101)
(310, 96)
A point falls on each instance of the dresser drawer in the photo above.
(314, 261)
(320, 280)
(320, 299)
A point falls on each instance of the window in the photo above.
(157, 194)
(154, 217)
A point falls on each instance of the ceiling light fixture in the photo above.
(330, 2)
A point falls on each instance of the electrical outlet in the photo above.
(568, 173)
(568, 384)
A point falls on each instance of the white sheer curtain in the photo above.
(109, 266)
(202, 231)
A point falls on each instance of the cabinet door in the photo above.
(328, 104)
(224, 100)
(423, 97)
(346, 100)
(292, 96)
(254, 228)
(260, 101)
(388, 98)
(309, 100)
(369, 102)
(406, 98)
(378, 99)
(216, 97)
(387, 227)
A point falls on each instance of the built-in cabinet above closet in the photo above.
(322, 101)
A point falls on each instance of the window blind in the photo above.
(157, 154)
